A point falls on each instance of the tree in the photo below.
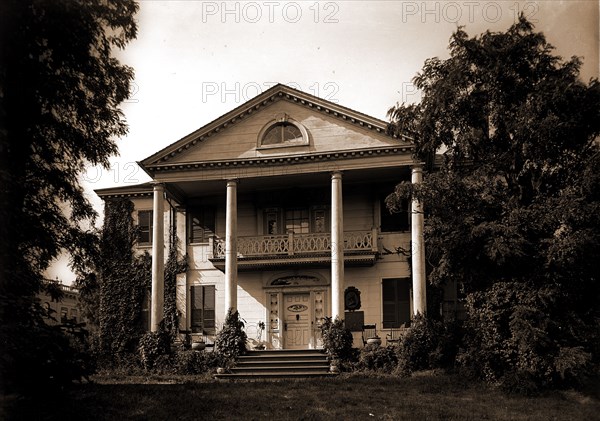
(60, 88)
(511, 203)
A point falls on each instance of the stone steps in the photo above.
(279, 364)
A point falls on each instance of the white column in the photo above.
(337, 247)
(418, 248)
(231, 247)
(158, 258)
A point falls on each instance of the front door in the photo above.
(296, 320)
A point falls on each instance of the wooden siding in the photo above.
(327, 134)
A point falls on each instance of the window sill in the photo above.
(282, 145)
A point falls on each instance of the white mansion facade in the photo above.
(279, 206)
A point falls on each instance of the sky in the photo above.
(196, 60)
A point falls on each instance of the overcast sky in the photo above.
(197, 60)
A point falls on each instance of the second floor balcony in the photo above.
(360, 248)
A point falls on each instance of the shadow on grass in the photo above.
(431, 397)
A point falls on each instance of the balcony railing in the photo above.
(296, 244)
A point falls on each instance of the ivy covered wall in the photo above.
(124, 280)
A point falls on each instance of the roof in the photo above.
(132, 190)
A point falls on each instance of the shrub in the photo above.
(337, 340)
(43, 359)
(153, 347)
(230, 342)
(378, 358)
(518, 338)
(428, 344)
(189, 362)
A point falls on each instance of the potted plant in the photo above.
(259, 344)
(198, 344)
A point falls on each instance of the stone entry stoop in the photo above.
(279, 364)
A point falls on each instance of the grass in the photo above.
(424, 397)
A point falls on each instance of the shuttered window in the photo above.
(203, 309)
(396, 302)
(145, 227)
(397, 221)
(202, 224)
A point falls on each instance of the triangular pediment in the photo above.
(236, 136)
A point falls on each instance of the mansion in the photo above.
(279, 206)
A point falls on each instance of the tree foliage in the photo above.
(512, 202)
(60, 88)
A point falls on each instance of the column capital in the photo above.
(336, 174)
(157, 185)
(416, 173)
(232, 182)
(416, 167)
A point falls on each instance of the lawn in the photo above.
(424, 397)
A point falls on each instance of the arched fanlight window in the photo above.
(281, 133)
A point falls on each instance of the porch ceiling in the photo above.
(190, 189)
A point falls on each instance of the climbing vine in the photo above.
(173, 267)
(124, 280)
(113, 293)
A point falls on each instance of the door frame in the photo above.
(318, 307)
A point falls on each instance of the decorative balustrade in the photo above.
(291, 244)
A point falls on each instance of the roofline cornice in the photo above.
(283, 160)
(139, 191)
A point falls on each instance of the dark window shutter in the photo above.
(202, 224)
(196, 319)
(394, 222)
(209, 309)
(396, 302)
(390, 303)
(145, 227)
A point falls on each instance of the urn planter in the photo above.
(374, 341)
(198, 346)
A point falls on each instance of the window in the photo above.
(319, 220)
(281, 133)
(393, 222)
(296, 220)
(74, 314)
(272, 221)
(396, 302)
(64, 314)
(203, 309)
(145, 227)
(202, 224)
(300, 220)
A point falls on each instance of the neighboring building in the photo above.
(65, 309)
(280, 207)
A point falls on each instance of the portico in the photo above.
(287, 186)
